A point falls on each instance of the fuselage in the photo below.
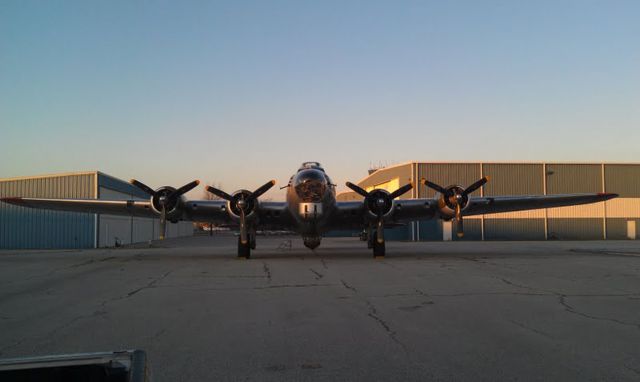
(311, 199)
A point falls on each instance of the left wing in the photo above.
(495, 204)
(354, 214)
(419, 209)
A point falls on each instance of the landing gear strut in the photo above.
(378, 248)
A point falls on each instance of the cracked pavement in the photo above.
(461, 310)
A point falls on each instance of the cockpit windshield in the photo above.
(310, 185)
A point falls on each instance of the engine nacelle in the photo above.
(378, 202)
(447, 202)
(173, 206)
(250, 209)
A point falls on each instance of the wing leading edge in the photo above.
(139, 208)
(419, 209)
(271, 214)
(496, 204)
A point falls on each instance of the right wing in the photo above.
(194, 210)
(139, 208)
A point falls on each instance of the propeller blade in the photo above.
(401, 190)
(357, 189)
(143, 187)
(262, 189)
(163, 223)
(184, 189)
(219, 193)
(459, 226)
(434, 186)
(243, 228)
(475, 186)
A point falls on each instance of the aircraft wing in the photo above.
(495, 204)
(207, 210)
(270, 214)
(141, 208)
(419, 209)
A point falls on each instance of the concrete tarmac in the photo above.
(474, 311)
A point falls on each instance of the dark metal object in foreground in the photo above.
(120, 366)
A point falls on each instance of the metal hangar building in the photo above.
(28, 228)
(618, 218)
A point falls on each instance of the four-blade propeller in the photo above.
(242, 203)
(457, 198)
(165, 198)
(379, 203)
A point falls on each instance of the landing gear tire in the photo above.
(244, 250)
(378, 248)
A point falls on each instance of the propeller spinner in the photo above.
(165, 198)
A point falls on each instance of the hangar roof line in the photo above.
(493, 162)
(60, 174)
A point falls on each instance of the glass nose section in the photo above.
(310, 185)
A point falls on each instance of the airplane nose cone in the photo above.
(310, 185)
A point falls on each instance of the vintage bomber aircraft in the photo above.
(311, 208)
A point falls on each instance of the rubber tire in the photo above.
(244, 250)
(378, 249)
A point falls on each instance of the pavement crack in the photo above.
(324, 263)
(100, 260)
(318, 274)
(533, 330)
(637, 371)
(373, 313)
(291, 286)
(391, 265)
(344, 283)
(151, 284)
(267, 271)
(562, 299)
(508, 282)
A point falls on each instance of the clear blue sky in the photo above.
(240, 92)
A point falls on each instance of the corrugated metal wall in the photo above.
(513, 179)
(446, 174)
(402, 172)
(623, 179)
(26, 228)
(573, 178)
(514, 229)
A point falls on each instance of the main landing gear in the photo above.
(244, 249)
(378, 248)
